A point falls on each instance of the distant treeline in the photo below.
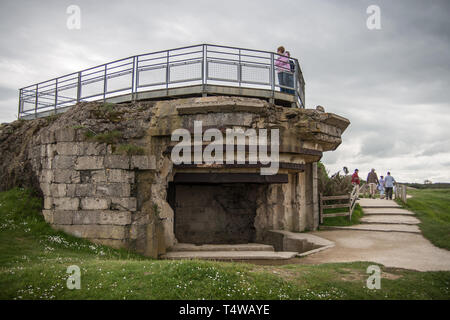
(428, 186)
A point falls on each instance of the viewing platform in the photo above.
(200, 70)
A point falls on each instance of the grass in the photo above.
(343, 221)
(34, 260)
(109, 137)
(129, 149)
(432, 208)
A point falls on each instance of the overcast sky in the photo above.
(392, 83)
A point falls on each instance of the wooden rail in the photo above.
(400, 192)
(343, 201)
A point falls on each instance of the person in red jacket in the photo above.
(355, 181)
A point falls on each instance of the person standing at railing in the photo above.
(290, 75)
(283, 67)
(372, 180)
(389, 183)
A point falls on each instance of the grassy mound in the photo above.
(34, 260)
(432, 208)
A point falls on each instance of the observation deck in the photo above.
(199, 70)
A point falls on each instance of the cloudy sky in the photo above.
(392, 83)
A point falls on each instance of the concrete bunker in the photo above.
(147, 203)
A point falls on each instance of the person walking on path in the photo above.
(389, 183)
(372, 180)
(356, 181)
(283, 67)
(381, 187)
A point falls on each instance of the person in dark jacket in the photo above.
(372, 180)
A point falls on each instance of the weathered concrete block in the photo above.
(63, 162)
(117, 162)
(48, 203)
(119, 175)
(58, 190)
(143, 162)
(47, 136)
(113, 189)
(123, 204)
(65, 135)
(63, 216)
(43, 148)
(94, 231)
(89, 163)
(46, 176)
(93, 203)
(66, 176)
(67, 148)
(46, 163)
(70, 190)
(109, 217)
(48, 215)
(115, 217)
(86, 217)
(98, 176)
(91, 148)
(51, 150)
(46, 190)
(85, 190)
(66, 203)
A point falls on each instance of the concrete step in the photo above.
(221, 247)
(378, 203)
(390, 219)
(384, 211)
(230, 255)
(378, 227)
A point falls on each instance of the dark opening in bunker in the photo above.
(215, 209)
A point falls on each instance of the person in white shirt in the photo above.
(389, 183)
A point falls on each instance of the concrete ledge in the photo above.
(304, 243)
(230, 255)
(180, 247)
(378, 227)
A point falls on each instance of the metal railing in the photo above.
(200, 64)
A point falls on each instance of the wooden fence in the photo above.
(400, 192)
(342, 201)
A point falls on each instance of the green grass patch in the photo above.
(109, 137)
(34, 260)
(432, 208)
(343, 221)
(128, 149)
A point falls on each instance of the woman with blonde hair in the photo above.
(282, 67)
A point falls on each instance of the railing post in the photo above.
(239, 70)
(20, 103)
(167, 72)
(133, 74)
(272, 74)
(79, 87)
(204, 70)
(36, 101)
(296, 80)
(56, 94)
(105, 83)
